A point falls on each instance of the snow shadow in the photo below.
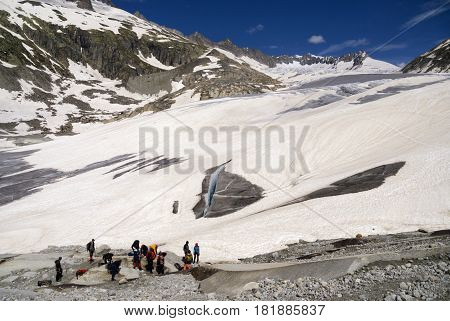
(18, 178)
(321, 101)
(390, 91)
(157, 163)
(349, 79)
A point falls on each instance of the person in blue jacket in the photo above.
(196, 253)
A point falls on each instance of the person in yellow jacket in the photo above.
(154, 247)
(188, 259)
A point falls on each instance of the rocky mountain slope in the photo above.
(434, 61)
(65, 64)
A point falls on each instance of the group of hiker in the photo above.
(139, 253)
(188, 259)
(150, 254)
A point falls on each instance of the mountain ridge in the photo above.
(64, 66)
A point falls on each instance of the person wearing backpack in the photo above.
(107, 258)
(151, 255)
(114, 268)
(59, 270)
(90, 247)
(135, 246)
(196, 253)
(160, 262)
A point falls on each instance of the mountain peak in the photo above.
(140, 15)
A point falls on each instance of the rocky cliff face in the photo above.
(436, 60)
(114, 55)
(54, 58)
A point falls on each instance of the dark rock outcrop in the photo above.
(436, 60)
(361, 182)
(233, 193)
(83, 4)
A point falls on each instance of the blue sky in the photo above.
(391, 30)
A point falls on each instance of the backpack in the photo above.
(88, 246)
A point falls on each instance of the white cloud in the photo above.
(346, 44)
(426, 15)
(256, 28)
(316, 39)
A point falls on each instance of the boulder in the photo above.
(94, 276)
(103, 249)
(250, 286)
(128, 273)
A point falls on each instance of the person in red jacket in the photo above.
(151, 255)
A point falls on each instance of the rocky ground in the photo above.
(21, 283)
(420, 279)
(424, 278)
(175, 287)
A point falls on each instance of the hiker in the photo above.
(196, 253)
(114, 268)
(154, 247)
(187, 261)
(90, 247)
(107, 258)
(144, 250)
(160, 262)
(186, 247)
(151, 255)
(135, 246)
(137, 260)
(59, 270)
